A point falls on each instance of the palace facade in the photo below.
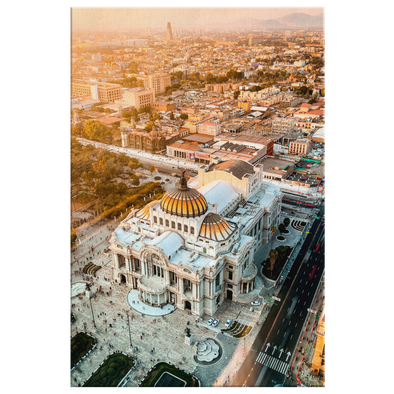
(194, 248)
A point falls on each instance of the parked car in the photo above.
(215, 323)
(255, 303)
(210, 321)
(228, 323)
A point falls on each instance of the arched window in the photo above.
(161, 221)
(191, 230)
(154, 219)
(185, 228)
(167, 223)
(179, 227)
(173, 224)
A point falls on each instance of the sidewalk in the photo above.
(301, 372)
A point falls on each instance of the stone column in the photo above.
(181, 285)
(142, 265)
(116, 260)
(151, 298)
(247, 287)
(194, 290)
(167, 277)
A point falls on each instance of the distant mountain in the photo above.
(301, 19)
(294, 20)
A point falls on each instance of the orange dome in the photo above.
(183, 201)
(216, 228)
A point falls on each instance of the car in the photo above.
(255, 303)
(210, 321)
(228, 323)
(215, 323)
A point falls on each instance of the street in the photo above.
(272, 352)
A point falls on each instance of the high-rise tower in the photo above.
(169, 31)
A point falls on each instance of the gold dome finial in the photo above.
(183, 182)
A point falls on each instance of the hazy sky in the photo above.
(119, 18)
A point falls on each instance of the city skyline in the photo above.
(124, 18)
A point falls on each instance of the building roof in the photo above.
(169, 242)
(220, 193)
(238, 168)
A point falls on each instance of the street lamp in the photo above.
(128, 322)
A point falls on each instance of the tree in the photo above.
(184, 116)
(149, 126)
(151, 169)
(172, 116)
(273, 231)
(236, 94)
(273, 255)
(95, 130)
(282, 228)
(286, 222)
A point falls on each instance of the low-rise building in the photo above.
(163, 106)
(300, 147)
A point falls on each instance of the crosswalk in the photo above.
(272, 362)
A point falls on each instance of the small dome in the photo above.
(144, 213)
(216, 228)
(183, 201)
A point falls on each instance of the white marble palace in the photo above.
(196, 245)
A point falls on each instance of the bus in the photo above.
(293, 304)
(313, 272)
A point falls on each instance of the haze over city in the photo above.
(125, 18)
(198, 198)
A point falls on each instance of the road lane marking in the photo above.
(291, 336)
(308, 293)
(295, 325)
(272, 362)
(303, 291)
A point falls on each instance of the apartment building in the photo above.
(282, 125)
(159, 82)
(208, 128)
(103, 91)
(138, 98)
(290, 101)
(300, 147)
(246, 105)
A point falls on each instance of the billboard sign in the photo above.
(198, 154)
